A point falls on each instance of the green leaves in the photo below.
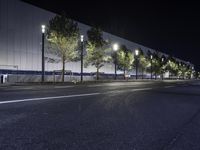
(172, 66)
(124, 58)
(63, 26)
(63, 36)
(96, 48)
(95, 37)
(144, 62)
(96, 56)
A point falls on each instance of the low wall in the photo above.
(48, 78)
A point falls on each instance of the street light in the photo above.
(43, 65)
(136, 60)
(179, 70)
(169, 70)
(115, 49)
(162, 68)
(151, 65)
(82, 46)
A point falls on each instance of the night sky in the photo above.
(172, 27)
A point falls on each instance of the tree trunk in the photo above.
(97, 73)
(124, 73)
(63, 69)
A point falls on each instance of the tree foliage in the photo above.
(124, 59)
(63, 36)
(143, 61)
(96, 49)
(172, 66)
(156, 64)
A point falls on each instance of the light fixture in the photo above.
(115, 47)
(82, 36)
(43, 28)
(136, 52)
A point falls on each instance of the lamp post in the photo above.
(115, 49)
(136, 61)
(192, 72)
(179, 70)
(169, 70)
(43, 65)
(151, 65)
(162, 68)
(82, 40)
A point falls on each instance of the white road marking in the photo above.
(47, 98)
(71, 96)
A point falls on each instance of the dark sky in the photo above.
(172, 27)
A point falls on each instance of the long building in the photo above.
(20, 44)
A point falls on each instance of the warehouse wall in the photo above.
(20, 39)
(20, 34)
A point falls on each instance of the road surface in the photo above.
(104, 116)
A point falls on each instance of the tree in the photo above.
(96, 49)
(150, 60)
(63, 36)
(143, 62)
(163, 65)
(182, 70)
(172, 66)
(124, 59)
(188, 72)
(198, 75)
(157, 65)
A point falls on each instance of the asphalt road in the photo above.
(104, 116)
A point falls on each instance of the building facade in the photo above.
(20, 44)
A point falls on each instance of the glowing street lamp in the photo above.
(115, 49)
(82, 46)
(169, 70)
(136, 61)
(162, 68)
(43, 27)
(136, 52)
